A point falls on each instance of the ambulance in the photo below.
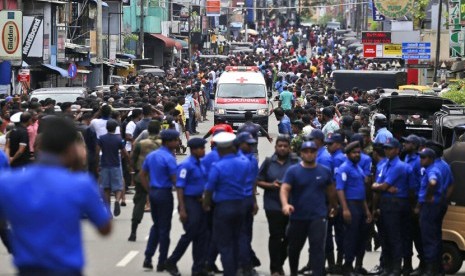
(240, 89)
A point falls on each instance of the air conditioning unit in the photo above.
(88, 42)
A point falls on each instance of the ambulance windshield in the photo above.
(234, 90)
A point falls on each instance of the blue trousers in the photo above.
(338, 224)
(196, 232)
(431, 216)
(246, 236)
(161, 204)
(313, 230)
(212, 253)
(229, 218)
(395, 213)
(356, 232)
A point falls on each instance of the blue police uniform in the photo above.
(246, 237)
(338, 159)
(308, 196)
(228, 180)
(207, 162)
(365, 164)
(45, 216)
(432, 214)
(4, 163)
(383, 136)
(395, 212)
(323, 157)
(350, 178)
(191, 177)
(4, 231)
(161, 166)
(413, 160)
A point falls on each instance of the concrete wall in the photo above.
(430, 36)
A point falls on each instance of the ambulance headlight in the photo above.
(262, 112)
(220, 111)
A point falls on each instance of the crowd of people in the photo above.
(330, 179)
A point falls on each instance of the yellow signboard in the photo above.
(392, 50)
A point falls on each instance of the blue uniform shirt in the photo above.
(446, 173)
(161, 165)
(351, 179)
(431, 173)
(383, 135)
(228, 178)
(191, 176)
(252, 177)
(323, 157)
(365, 164)
(338, 159)
(4, 162)
(395, 173)
(284, 126)
(379, 167)
(413, 160)
(209, 159)
(44, 206)
(308, 193)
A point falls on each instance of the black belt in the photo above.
(393, 199)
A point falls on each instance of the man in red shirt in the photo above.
(221, 125)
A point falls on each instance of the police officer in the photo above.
(226, 186)
(382, 134)
(410, 149)
(270, 178)
(350, 186)
(308, 184)
(43, 212)
(393, 185)
(138, 154)
(431, 207)
(245, 143)
(160, 167)
(190, 181)
(335, 145)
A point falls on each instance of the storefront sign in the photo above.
(11, 25)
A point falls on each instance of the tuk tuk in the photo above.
(420, 88)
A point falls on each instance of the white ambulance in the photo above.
(240, 89)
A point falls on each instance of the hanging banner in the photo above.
(394, 8)
(33, 39)
(377, 16)
(213, 7)
(11, 26)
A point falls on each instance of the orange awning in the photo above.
(169, 42)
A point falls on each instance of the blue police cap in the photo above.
(412, 138)
(351, 146)
(308, 145)
(427, 152)
(334, 138)
(316, 134)
(245, 137)
(195, 143)
(392, 143)
(169, 134)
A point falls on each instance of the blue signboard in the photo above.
(416, 50)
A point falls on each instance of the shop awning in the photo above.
(81, 49)
(57, 70)
(53, 1)
(169, 42)
(182, 44)
(125, 56)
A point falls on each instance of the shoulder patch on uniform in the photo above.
(344, 176)
(183, 173)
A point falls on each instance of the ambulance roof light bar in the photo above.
(241, 69)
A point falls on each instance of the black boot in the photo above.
(396, 268)
(132, 237)
(306, 269)
(348, 270)
(331, 263)
(430, 269)
(387, 267)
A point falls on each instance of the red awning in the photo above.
(169, 42)
(178, 45)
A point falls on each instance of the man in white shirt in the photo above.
(100, 124)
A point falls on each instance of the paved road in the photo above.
(114, 255)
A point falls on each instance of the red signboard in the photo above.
(369, 51)
(240, 101)
(376, 37)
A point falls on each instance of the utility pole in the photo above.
(438, 44)
(190, 36)
(99, 41)
(140, 48)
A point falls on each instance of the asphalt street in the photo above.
(114, 255)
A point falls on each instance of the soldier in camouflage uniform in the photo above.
(368, 144)
(140, 151)
(298, 139)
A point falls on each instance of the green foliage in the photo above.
(419, 11)
(457, 92)
(325, 19)
(374, 26)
